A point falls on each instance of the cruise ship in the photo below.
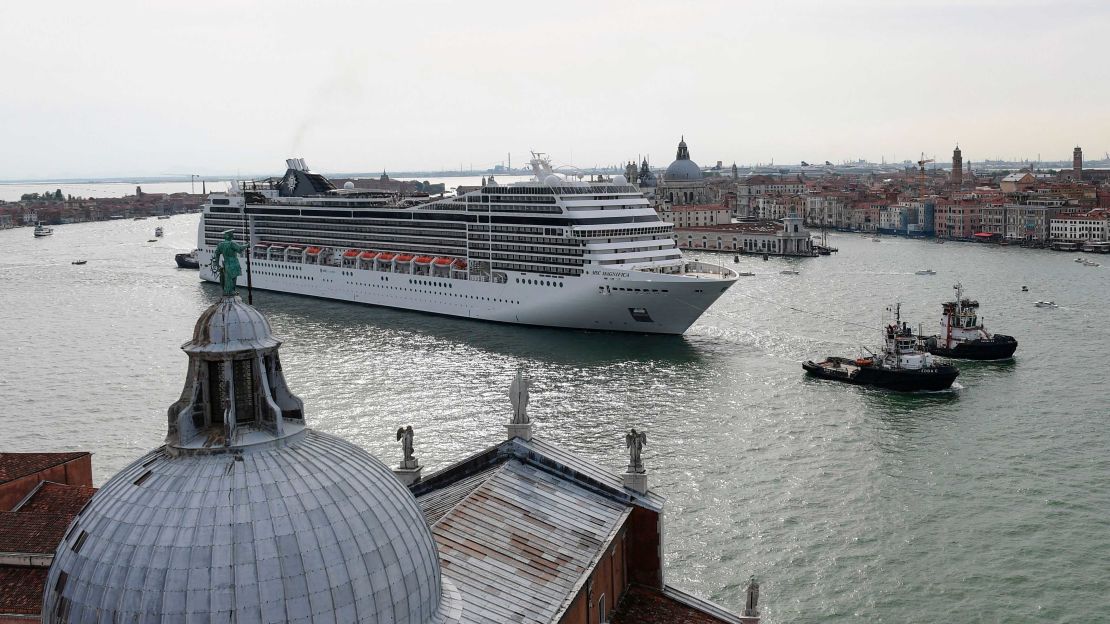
(552, 252)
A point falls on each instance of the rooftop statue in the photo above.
(229, 271)
(635, 441)
(518, 395)
(404, 435)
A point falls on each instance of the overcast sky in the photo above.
(115, 87)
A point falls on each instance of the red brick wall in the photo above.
(607, 578)
(74, 472)
(645, 565)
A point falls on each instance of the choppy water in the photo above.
(990, 503)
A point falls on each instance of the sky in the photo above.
(119, 87)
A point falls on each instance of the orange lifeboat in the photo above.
(368, 255)
(864, 361)
(350, 253)
(460, 264)
(442, 261)
(385, 256)
(404, 257)
(422, 260)
(312, 251)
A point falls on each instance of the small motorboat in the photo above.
(1046, 304)
(79, 262)
(152, 240)
(1090, 264)
(163, 216)
(746, 274)
(925, 272)
(187, 260)
(1024, 289)
(789, 272)
(1080, 259)
(876, 239)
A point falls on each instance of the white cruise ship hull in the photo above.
(609, 300)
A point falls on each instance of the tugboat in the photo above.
(187, 260)
(902, 366)
(962, 334)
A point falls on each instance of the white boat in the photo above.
(551, 252)
(1080, 259)
(745, 274)
(876, 239)
(789, 272)
(158, 232)
(42, 230)
(925, 272)
(1090, 264)
(1046, 304)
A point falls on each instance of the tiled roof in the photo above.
(57, 498)
(21, 590)
(644, 605)
(16, 465)
(519, 543)
(31, 532)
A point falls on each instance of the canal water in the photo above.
(987, 503)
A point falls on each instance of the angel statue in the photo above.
(518, 396)
(229, 271)
(635, 440)
(404, 435)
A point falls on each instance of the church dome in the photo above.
(682, 169)
(231, 326)
(246, 515)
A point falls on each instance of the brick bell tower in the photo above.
(1077, 162)
(957, 167)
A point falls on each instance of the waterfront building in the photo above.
(694, 216)
(247, 514)
(1092, 226)
(785, 237)
(956, 218)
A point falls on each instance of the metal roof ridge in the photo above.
(703, 605)
(467, 496)
(537, 457)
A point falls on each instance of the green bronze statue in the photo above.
(229, 271)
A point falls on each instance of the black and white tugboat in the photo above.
(963, 336)
(903, 365)
(187, 260)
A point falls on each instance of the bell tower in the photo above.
(957, 168)
(1077, 162)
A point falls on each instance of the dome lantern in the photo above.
(235, 393)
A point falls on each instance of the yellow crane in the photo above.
(921, 163)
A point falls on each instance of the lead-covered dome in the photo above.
(682, 169)
(246, 515)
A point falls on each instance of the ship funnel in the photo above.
(304, 167)
(290, 163)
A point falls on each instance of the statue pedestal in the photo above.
(635, 481)
(408, 472)
(524, 431)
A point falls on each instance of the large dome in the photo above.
(245, 514)
(682, 169)
(310, 529)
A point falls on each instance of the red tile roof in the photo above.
(21, 590)
(31, 532)
(57, 498)
(16, 465)
(643, 605)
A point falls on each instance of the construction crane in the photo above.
(921, 163)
